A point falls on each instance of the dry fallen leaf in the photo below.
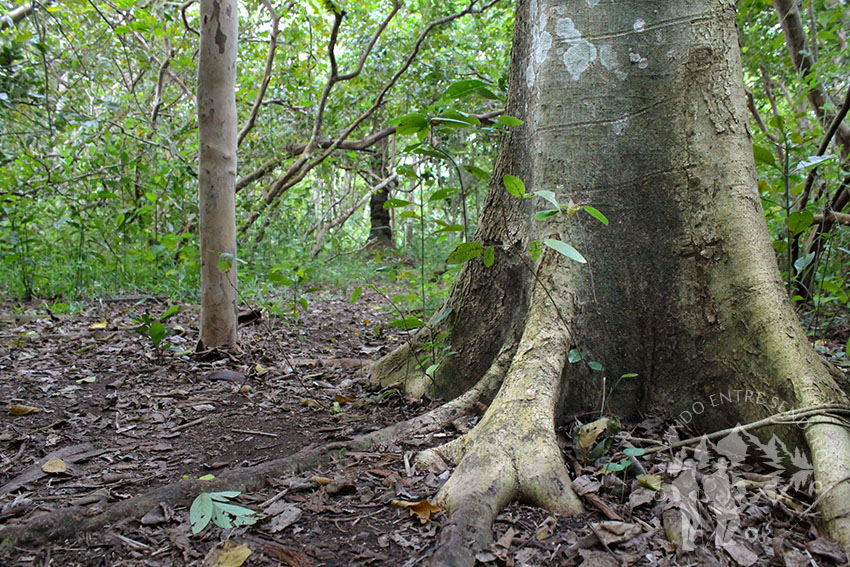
(422, 510)
(101, 325)
(20, 409)
(343, 399)
(228, 555)
(323, 480)
(590, 432)
(54, 466)
(652, 481)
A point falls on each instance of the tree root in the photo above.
(68, 522)
(512, 453)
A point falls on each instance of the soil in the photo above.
(95, 415)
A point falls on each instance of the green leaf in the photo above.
(509, 120)
(629, 375)
(464, 252)
(593, 365)
(535, 249)
(801, 263)
(408, 322)
(634, 451)
(479, 173)
(563, 248)
(442, 194)
(549, 196)
(514, 185)
(201, 511)
(763, 155)
(489, 256)
(612, 467)
(169, 312)
(450, 228)
(574, 356)
(355, 295)
(455, 119)
(157, 333)
(431, 153)
(410, 123)
(393, 203)
(847, 348)
(225, 261)
(463, 88)
(595, 214)
(303, 302)
(543, 215)
(798, 221)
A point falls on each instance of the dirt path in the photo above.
(89, 391)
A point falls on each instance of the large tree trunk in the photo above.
(217, 172)
(637, 109)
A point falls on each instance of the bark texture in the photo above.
(217, 171)
(637, 109)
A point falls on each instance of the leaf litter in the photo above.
(94, 417)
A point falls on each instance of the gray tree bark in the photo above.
(217, 172)
(637, 109)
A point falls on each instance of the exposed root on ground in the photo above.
(68, 522)
(512, 453)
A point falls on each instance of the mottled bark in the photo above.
(217, 171)
(380, 230)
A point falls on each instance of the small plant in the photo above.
(216, 506)
(153, 328)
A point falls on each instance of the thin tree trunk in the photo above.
(217, 172)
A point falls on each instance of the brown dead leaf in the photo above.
(590, 432)
(54, 466)
(422, 510)
(343, 399)
(323, 480)
(20, 409)
(546, 529)
(101, 325)
(228, 555)
(288, 557)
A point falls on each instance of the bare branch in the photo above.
(258, 100)
(15, 16)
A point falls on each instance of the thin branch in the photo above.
(298, 170)
(183, 8)
(258, 100)
(15, 16)
(751, 104)
(830, 133)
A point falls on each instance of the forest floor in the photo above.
(89, 391)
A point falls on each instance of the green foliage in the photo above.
(216, 507)
(153, 328)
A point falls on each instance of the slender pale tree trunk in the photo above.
(217, 172)
(636, 108)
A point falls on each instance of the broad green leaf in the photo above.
(594, 365)
(798, 221)
(410, 123)
(509, 120)
(392, 203)
(225, 261)
(464, 252)
(574, 356)
(355, 295)
(847, 348)
(201, 511)
(463, 88)
(408, 322)
(430, 153)
(169, 312)
(456, 119)
(549, 196)
(801, 263)
(812, 161)
(763, 155)
(489, 256)
(634, 451)
(543, 215)
(514, 185)
(479, 173)
(596, 214)
(563, 248)
(304, 304)
(442, 194)
(450, 228)
(157, 333)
